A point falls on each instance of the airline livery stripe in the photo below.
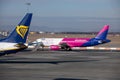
(96, 48)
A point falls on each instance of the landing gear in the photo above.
(64, 46)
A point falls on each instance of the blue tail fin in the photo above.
(103, 33)
(20, 33)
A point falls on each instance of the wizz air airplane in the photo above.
(15, 41)
(69, 43)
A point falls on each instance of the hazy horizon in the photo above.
(64, 24)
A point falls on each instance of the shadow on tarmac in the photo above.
(68, 79)
(44, 62)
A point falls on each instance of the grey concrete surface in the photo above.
(61, 65)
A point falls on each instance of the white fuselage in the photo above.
(7, 46)
(50, 41)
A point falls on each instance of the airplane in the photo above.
(16, 40)
(69, 43)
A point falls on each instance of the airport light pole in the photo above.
(28, 4)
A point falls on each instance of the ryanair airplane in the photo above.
(16, 40)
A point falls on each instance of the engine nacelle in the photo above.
(54, 47)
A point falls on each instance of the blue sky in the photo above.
(62, 15)
(65, 8)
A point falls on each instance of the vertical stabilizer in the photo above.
(20, 33)
(103, 33)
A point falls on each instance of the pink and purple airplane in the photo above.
(69, 43)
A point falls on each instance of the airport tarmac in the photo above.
(61, 65)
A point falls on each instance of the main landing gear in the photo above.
(64, 46)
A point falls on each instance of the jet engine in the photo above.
(54, 47)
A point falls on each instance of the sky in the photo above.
(53, 8)
(58, 8)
